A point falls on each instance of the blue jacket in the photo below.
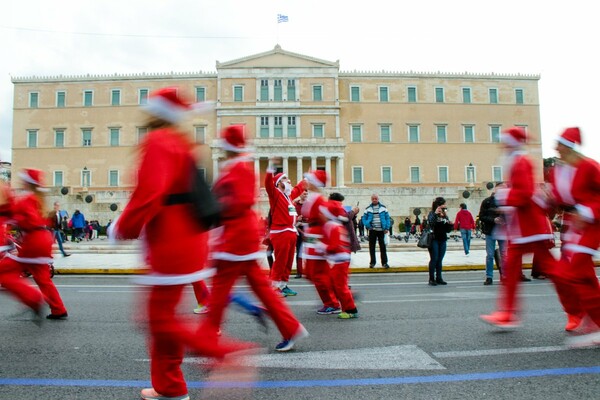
(384, 216)
(78, 220)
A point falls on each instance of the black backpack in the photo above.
(205, 208)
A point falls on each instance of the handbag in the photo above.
(425, 239)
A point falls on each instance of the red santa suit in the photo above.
(34, 252)
(175, 245)
(576, 190)
(336, 246)
(316, 266)
(235, 245)
(282, 232)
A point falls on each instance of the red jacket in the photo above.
(464, 220)
(526, 222)
(337, 242)
(239, 236)
(175, 243)
(283, 210)
(313, 231)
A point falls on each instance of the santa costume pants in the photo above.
(339, 278)
(284, 247)
(319, 272)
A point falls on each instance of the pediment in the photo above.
(278, 58)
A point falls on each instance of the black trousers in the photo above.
(379, 237)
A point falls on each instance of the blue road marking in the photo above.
(314, 383)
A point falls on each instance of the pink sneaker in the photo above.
(573, 322)
(151, 394)
(502, 319)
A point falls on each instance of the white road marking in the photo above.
(496, 352)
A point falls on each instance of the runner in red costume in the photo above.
(34, 251)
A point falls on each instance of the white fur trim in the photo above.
(280, 178)
(156, 279)
(225, 145)
(221, 255)
(33, 260)
(533, 238)
(510, 140)
(164, 109)
(293, 229)
(577, 248)
(572, 145)
(585, 212)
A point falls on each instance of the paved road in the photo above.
(411, 341)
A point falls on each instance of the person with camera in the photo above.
(440, 226)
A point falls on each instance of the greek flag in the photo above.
(282, 18)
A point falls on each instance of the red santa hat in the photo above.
(277, 178)
(234, 139)
(334, 211)
(34, 177)
(317, 178)
(571, 138)
(514, 137)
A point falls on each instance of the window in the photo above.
(115, 97)
(466, 92)
(317, 93)
(440, 131)
(385, 133)
(497, 174)
(495, 133)
(291, 89)
(34, 98)
(88, 98)
(277, 90)
(411, 94)
(59, 138)
(32, 138)
(238, 93)
(439, 95)
(415, 175)
(354, 93)
(86, 177)
(61, 99)
(264, 90)
(115, 134)
(519, 96)
(143, 96)
(443, 174)
(469, 133)
(413, 133)
(384, 94)
(493, 95)
(264, 127)
(386, 174)
(200, 133)
(86, 135)
(278, 126)
(357, 175)
(291, 128)
(113, 178)
(356, 135)
(318, 130)
(57, 178)
(141, 132)
(470, 173)
(200, 94)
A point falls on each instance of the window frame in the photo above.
(499, 128)
(200, 93)
(357, 169)
(418, 128)
(352, 93)
(111, 132)
(447, 169)
(56, 135)
(493, 98)
(519, 96)
(143, 94)
(389, 169)
(314, 126)
(416, 168)
(64, 98)
(34, 103)
(200, 131)
(317, 88)
(386, 90)
(389, 133)
(89, 92)
(465, 127)
(238, 89)
(494, 168)
(467, 95)
(467, 169)
(352, 132)
(408, 94)
(437, 133)
(110, 182)
(62, 178)
(32, 138)
(264, 127)
(437, 98)
(83, 139)
(112, 97)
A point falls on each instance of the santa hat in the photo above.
(234, 139)
(514, 137)
(317, 178)
(277, 178)
(169, 105)
(571, 138)
(334, 211)
(34, 177)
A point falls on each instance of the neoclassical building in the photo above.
(407, 135)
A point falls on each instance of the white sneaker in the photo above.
(588, 340)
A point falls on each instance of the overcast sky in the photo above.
(556, 39)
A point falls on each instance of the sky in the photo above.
(556, 39)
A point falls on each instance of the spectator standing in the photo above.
(491, 221)
(55, 223)
(417, 224)
(298, 202)
(440, 225)
(407, 225)
(78, 225)
(377, 220)
(465, 223)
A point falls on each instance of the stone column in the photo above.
(215, 168)
(328, 170)
(286, 165)
(299, 171)
(313, 163)
(340, 171)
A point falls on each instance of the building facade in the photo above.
(407, 135)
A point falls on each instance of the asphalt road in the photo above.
(412, 341)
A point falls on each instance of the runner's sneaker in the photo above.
(279, 292)
(151, 394)
(588, 340)
(345, 315)
(502, 319)
(288, 292)
(288, 344)
(328, 310)
(201, 309)
(573, 322)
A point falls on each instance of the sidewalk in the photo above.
(100, 257)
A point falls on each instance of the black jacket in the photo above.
(488, 211)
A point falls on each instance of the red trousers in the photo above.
(11, 279)
(228, 273)
(284, 247)
(201, 292)
(171, 335)
(339, 278)
(512, 270)
(319, 272)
